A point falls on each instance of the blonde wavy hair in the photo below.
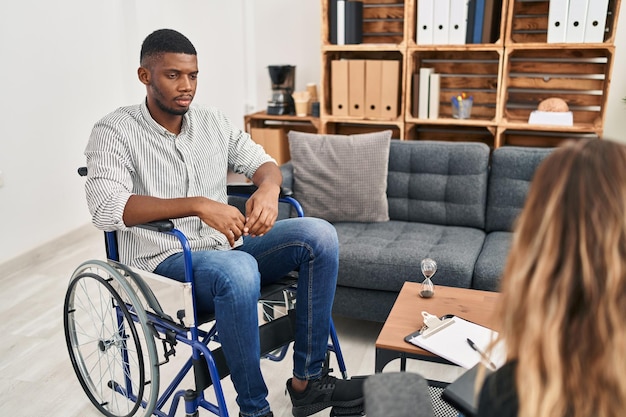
(562, 310)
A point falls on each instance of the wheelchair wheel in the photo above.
(110, 343)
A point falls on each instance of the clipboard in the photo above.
(448, 336)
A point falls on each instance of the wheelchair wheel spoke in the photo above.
(110, 342)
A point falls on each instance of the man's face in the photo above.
(171, 83)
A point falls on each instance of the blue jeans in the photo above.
(228, 284)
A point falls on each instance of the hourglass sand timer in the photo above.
(429, 267)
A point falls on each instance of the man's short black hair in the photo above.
(163, 41)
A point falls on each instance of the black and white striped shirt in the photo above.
(130, 153)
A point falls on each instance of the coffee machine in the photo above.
(283, 79)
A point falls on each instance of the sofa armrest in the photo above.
(287, 170)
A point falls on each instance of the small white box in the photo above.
(563, 118)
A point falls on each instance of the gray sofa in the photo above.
(454, 202)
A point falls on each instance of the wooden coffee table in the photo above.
(405, 318)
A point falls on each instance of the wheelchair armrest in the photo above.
(241, 189)
(158, 226)
(248, 189)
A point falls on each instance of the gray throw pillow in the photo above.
(341, 178)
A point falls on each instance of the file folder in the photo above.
(479, 20)
(354, 22)
(458, 22)
(433, 96)
(339, 87)
(471, 13)
(441, 22)
(557, 21)
(424, 96)
(424, 30)
(390, 89)
(489, 20)
(373, 87)
(346, 22)
(337, 14)
(595, 25)
(415, 90)
(576, 18)
(356, 87)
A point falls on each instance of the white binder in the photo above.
(596, 21)
(576, 17)
(457, 30)
(441, 22)
(341, 22)
(424, 29)
(557, 21)
(433, 96)
(424, 94)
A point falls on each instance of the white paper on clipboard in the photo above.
(451, 343)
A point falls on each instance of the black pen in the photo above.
(482, 354)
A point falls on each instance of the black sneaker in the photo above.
(270, 414)
(324, 392)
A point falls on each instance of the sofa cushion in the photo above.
(442, 183)
(490, 263)
(383, 256)
(512, 169)
(341, 178)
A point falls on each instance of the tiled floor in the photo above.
(36, 377)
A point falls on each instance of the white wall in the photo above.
(67, 63)
(62, 67)
(615, 122)
(285, 33)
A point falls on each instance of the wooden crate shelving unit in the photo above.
(384, 34)
(333, 124)
(528, 22)
(579, 76)
(475, 71)
(507, 78)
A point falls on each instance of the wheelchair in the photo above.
(114, 321)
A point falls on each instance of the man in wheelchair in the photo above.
(164, 159)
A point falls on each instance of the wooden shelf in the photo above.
(383, 47)
(449, 121)
(383, 22)
(260, 119)
(507, 78)
(527, 23)
(270, 131)
(577, 127)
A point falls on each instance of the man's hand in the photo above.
(262, 206)
(261, 210)
(223, 218)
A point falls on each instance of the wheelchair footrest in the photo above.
(201, 369)
(273, 335)
(277, 333)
